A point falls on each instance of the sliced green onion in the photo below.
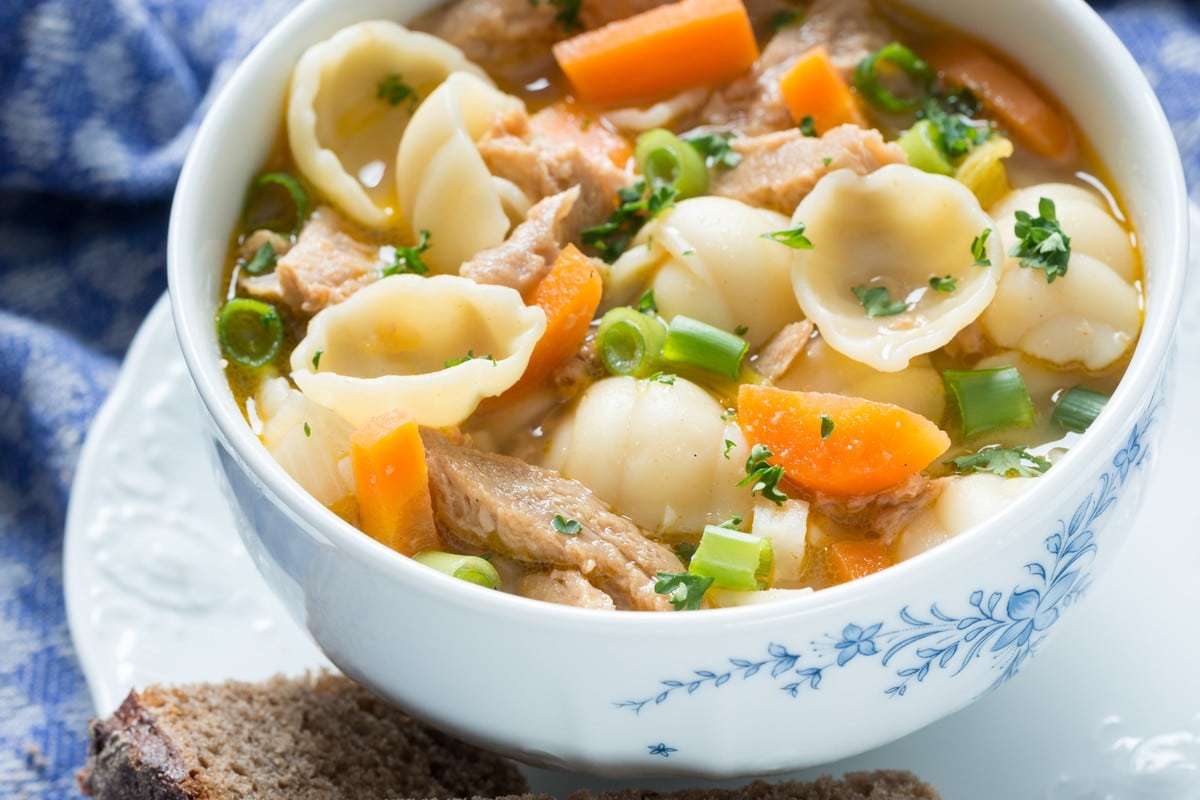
(666, 160)
(629, 342)
(920, 144)
(733, 559)
(263, 260)
(866, 77)
(989, 398)
(690, 341)
(1077, 409)
(266, 209)
(472, 569)
(250, 331)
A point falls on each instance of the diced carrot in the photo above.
(392, 483)
(869, 446)
(812, 87)
(1025, 113)
(658, 52)
(569, 295)
(856, 558)
(587, 132)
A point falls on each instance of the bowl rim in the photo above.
(1137, 384)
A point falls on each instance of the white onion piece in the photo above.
(896, 227)
(786, 525)
(442, 182)
(387, 346)
(656, 452)
(342, 134)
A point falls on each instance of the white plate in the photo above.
(160, 589)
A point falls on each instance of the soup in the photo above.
(624, 328)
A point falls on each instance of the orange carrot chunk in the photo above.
(1013, 100)
(835, 444)
(812, 87)
(569, 122)
(392, 483)
(569, 295)
(658, 52)
(856, 558)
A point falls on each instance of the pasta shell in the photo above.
(896, 228)
(343, 128)
(443, 184)
(397, 344)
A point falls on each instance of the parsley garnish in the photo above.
(741, 330)
(946, 284)
(1007, 462)
(307, 430)
(568, 13)
(683, 589)
(316, 360)
(979, 248)
(263, 260)
(761, 477)
(663, 377)
(685, 550)
(567, 527)
(646, 304)
(729, 445)
(408, 259)
(470, 356)
(731, 523)
(952, 116)
(394, 91)
(826, 426)
(1041, 242)
(782, 19)
(715, 149)
(808, 126)
(827, 160)
(878, 302)
(635, 208)
(792, 237)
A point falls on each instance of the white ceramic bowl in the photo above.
(738, 691)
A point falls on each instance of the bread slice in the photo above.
(309, 738)
(323, 737)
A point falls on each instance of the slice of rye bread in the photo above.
(323, 737)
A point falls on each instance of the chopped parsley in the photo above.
(715, 148)
(878, 302)
(741, 330)
(953, 117)
(262, 261)
(567, 527)
(808, 125)
(763, 478)
(782, 19)
(979, 248)
(470, 356)
(685, 550)
(307, 430)
(394, 91)
(684, 590)
(944, 284)
(646, 304)
(636, 206)
(792, 237)
(568, 13)
(729, 445)
(827, 160)
(316, 360)
(1007, 462)
(663, 377)
(826, 426)
(407, 260)
(732, 523)
(1041, 242)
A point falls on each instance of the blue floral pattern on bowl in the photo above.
(1000, 628)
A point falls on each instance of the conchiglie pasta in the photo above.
(342, 132)
(657, 452)
(706, 258)
(895, 228)
(443, 184)
(434, 346)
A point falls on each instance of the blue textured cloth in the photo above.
(98, 102)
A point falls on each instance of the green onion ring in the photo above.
(733, 559)
(472, 569)
(250, 331)
(690, 341)
(629, 342)
(1077, 408)
(285, 224)
(866, 77)
(989, 398)
(920, 144)
(666, 160)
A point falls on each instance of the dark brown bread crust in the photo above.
(129, 756)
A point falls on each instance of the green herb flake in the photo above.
(646, 304)
(783, 19)
(1007, 462)
(715, 148)
(568, 13)
(1041, 242)
(316, 360)
(732, 523)
(262, 261)
(792, 237)
(663, 377)
(729, 445)
(808, 126)
(952, 115)
(688, 252)
(826, 426)
(635, 208)
(728, 415)
(470, 356)
(307, 430)
(407, 260)
(685, 550)
(827, 160)
(394, 91)
(763, 478)
(945, 284)
(878, 302)
(567, 527)
(741, 330)
(684, 590)
(979, 248)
